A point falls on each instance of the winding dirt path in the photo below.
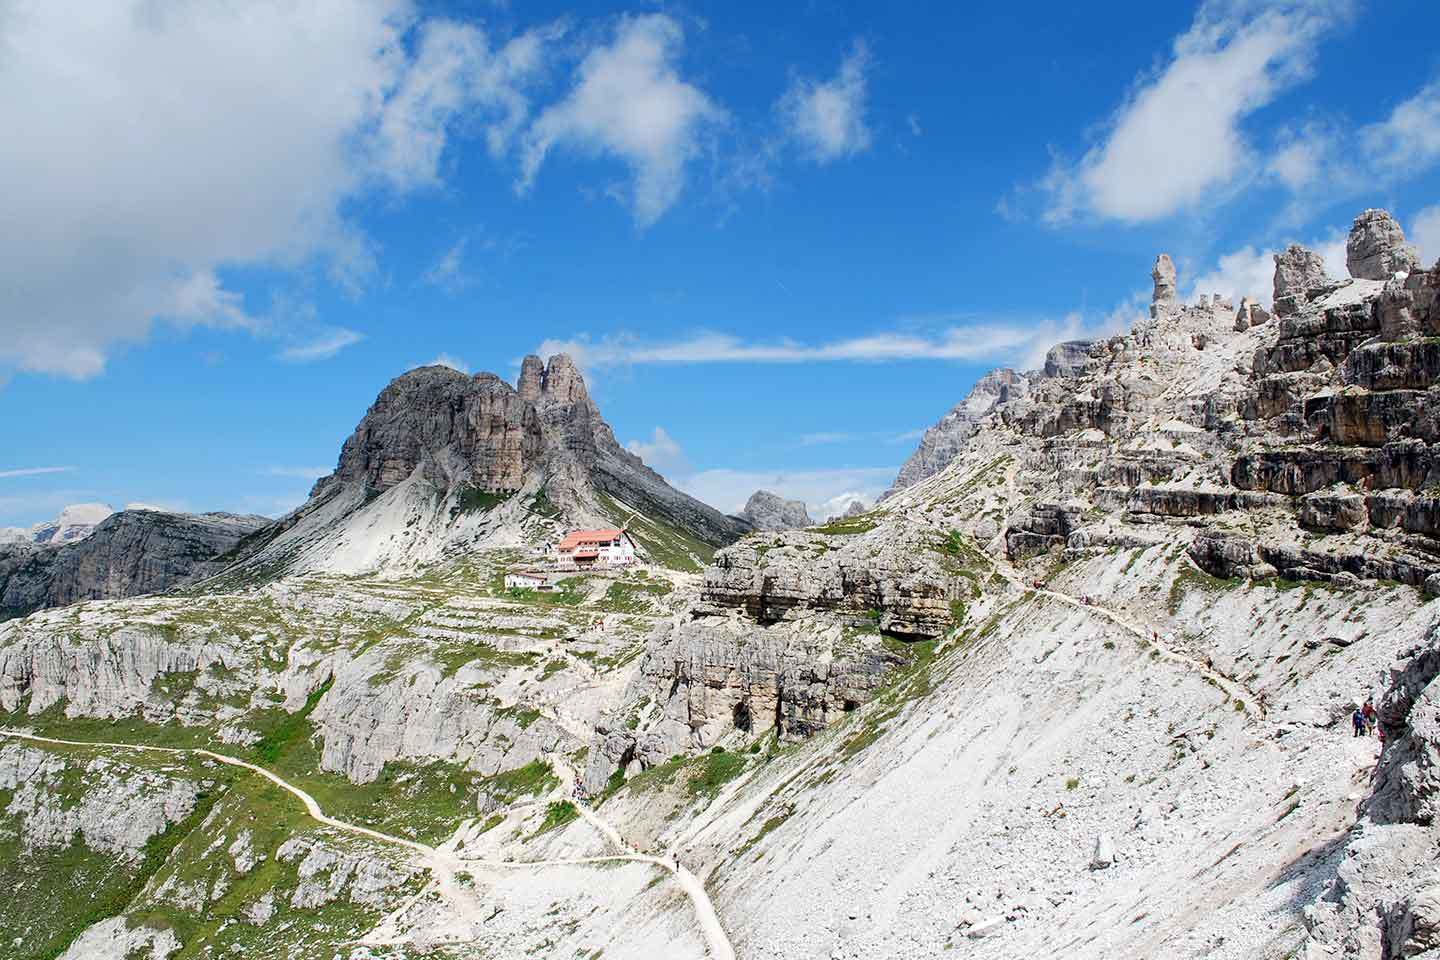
(443, 861)
(716, 939)
(1147, 636)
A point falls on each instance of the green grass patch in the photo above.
(475, 500)
(557, 814)
(715, 769)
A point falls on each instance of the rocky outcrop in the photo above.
(1069, 359)
(769, 511)
(1376, 248)
(1298, 273)
(1229, 555)
(108, 806)
(703, 680)
(941, 442)
(898, 585)
(1384, 900)
(1046, 527)
(129, 553)
(457, 430)
(1163, 299)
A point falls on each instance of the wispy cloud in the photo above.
(661, 453)
(908, 435)
(1019, 342)
(823, 438)
(448, 273)
(33, 471)
(1177, 138)
(828, 117)
(304, 473)
(443, 360)
(977, 342)
(323, 347)
(824, 491)
(629, 102)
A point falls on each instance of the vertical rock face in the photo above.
(945, 439)
(1164, 297)
(1376, 248)
(459, 429)
(532, 378)
(769, 511)
(1297, 272)
(1068, 359)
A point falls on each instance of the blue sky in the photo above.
(781, 239)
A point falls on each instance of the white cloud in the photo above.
(166, 142)
(323, 347)
(454, 73)
(661, 453)
(448, 272)
(303, 473)
(977, 342)
(914, 123)
(1409, 139)
(445, 360)
(1301, 159)
(841, 502)
(822, 438)
(829, 117)
(825, 492)
(33, 471)
(1177, 139)
(1250, 272)
(629, 102)
(1246, 272)
(1425, 234)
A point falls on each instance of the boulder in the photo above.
(1298, 271)
(1104, 856)
(1376, 248)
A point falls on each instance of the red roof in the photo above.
(574, 538)
(586, 554)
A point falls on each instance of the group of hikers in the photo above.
(1363, 721)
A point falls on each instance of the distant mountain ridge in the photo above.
(127, 553)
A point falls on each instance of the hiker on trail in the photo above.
(1368, 711)
(1357, 721)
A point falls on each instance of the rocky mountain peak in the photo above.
(1376, 248)
(770, 511)
(1299, 272)
(532, 379)
(562, 382)
(942, 441)
(454, 428)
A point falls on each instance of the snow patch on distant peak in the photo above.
(74, 523)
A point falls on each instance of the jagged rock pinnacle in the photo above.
(1376, 248)
(1164, 297)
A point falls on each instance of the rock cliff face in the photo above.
(444, 463)
(769, 511)
(454, 429)
(1246, 437)
(129, 553)
(941, 442)
(1376, 248)
(793, 630)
